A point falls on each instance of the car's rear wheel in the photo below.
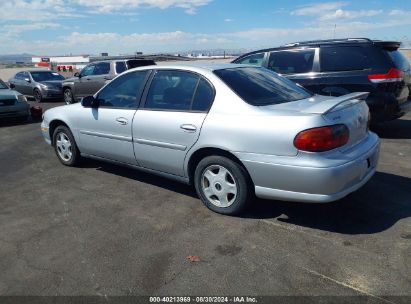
(222, 184)
(37, 95)
(65, 146)
(68, 96)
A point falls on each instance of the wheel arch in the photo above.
(201, 153)
(54, 124)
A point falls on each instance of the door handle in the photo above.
(122, 121)
(189, 128)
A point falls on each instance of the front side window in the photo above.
(124, 91)
(3, 85)
(172, 90)
(45, 76)
(291, 61)
(19, 75)
(345, 58)
(254, 59)
(261, 87)
(88, 70)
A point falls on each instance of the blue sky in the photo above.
(58, 27)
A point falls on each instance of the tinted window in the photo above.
(399, 60)
(135, 63)
(45, 76)
(254, 59)
(124, 91)
(3, 85)
(292, 61)
(259, 86)
(19, 75)
(102, 68)
(204, 96)
(172, 90)
(88, 70)
(120, 67)
(345, 58)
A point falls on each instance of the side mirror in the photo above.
(27, 80)
(12, 86)
(77, 74)
(90, 102)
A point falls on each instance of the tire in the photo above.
(65, 146)
(222, 184)
(37, 96)
(68, 96)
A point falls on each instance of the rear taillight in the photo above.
(322, 139)
(392, 76)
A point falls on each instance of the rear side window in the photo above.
(120, 67)
(102, 68)
(204, 96)
(291, 61)
(135, 63)
(399, 60)
(173, 90)
(124, 91)
(254, 59)
(260, 87)
(344, 58)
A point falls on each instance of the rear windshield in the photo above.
(46, 76)
(3, 85)
(138, 63)
(399, 60)
(261, 87)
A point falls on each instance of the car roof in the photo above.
(196, 67)
(317, 43)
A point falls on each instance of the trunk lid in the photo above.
(350, 110)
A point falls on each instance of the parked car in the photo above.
(231, 130)
(39, 84)
(12, 104)
(341, 66)
(95, 75)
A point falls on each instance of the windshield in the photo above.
(261, 87)
(46, 76)
(3, 85)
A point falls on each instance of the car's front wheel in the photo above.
(37, 95)
(68, 96)
(65, 146)
(222, 184)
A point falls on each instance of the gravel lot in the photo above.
(104, 230)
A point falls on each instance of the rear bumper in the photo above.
(387, 107)
(319, 183)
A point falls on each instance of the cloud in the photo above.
(108, 6)
(36, 10)
(228, 20)
(15, 29)
(318, 8)
(344, 14)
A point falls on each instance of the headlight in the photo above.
(43, 86)
(21, 98)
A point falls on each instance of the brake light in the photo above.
(393, 75)
(322, 139)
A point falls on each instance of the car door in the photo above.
(27, 86)
(16, 82)
(299, 65)
(88, 81)
(169, 122)
(106, 131)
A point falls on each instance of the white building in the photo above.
(62, 62)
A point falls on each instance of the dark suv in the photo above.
(95, 75)
(341, 66)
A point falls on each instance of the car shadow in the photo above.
(10, 122)
(396, 129)
(381, 203)
(140, 176)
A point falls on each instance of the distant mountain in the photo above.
(13, 58)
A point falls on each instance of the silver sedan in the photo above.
(233, 131)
